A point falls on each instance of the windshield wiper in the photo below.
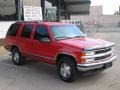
(63, 37)
(77, 36)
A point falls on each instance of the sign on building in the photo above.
(32, 13)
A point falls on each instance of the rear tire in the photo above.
(66, 69)
(17, 58)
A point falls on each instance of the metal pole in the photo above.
(43, 8)
(68, 15)
(58, 10)
(18, 11)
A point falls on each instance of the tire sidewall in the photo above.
(20, 61)
(68, 61)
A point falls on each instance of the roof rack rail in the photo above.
(36, 21)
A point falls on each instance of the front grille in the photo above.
(103, 57)
(100, 54)
(102, 51)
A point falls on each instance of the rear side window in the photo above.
(13, 30)
(27, 29)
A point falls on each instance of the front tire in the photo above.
(66, 69)
(17, 58)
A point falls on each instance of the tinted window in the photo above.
(27, 31)
(41, 32)
(13, 30)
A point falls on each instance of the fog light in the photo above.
(113, 49)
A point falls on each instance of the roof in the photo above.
(43, 22)
(55, 23)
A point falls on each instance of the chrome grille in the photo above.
(103, 57)
(100, 54)
(103, 50)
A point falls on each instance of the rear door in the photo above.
(25, 40)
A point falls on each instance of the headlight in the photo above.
(85, 54)
(89, 53)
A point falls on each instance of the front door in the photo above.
(42, 45)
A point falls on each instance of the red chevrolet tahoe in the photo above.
(60, 44)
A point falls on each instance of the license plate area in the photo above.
(107, 65)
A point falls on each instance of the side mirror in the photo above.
(44, 39)
(85, 34)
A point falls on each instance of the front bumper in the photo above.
(96, 65)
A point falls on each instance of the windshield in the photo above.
(66, 32)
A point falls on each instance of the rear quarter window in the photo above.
(12, 31)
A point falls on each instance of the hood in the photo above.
(86, 43)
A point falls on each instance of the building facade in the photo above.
(52, 10)
(11, 10)
(97, 19)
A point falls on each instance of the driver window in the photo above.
(41, 33)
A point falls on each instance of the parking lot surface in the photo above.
(39, 76)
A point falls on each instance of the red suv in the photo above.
(60, 44)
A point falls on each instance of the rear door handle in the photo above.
(32, 45)
(19, 41)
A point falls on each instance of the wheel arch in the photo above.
(61, 55)
(14, 46)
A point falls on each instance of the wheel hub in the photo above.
(65, 70)
(16, 57)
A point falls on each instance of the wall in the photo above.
(4, 26)
(97, 19)
(7, 7)
(32, 2)
(96, 10)
(101, 20)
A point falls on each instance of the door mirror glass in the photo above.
(45, 39)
